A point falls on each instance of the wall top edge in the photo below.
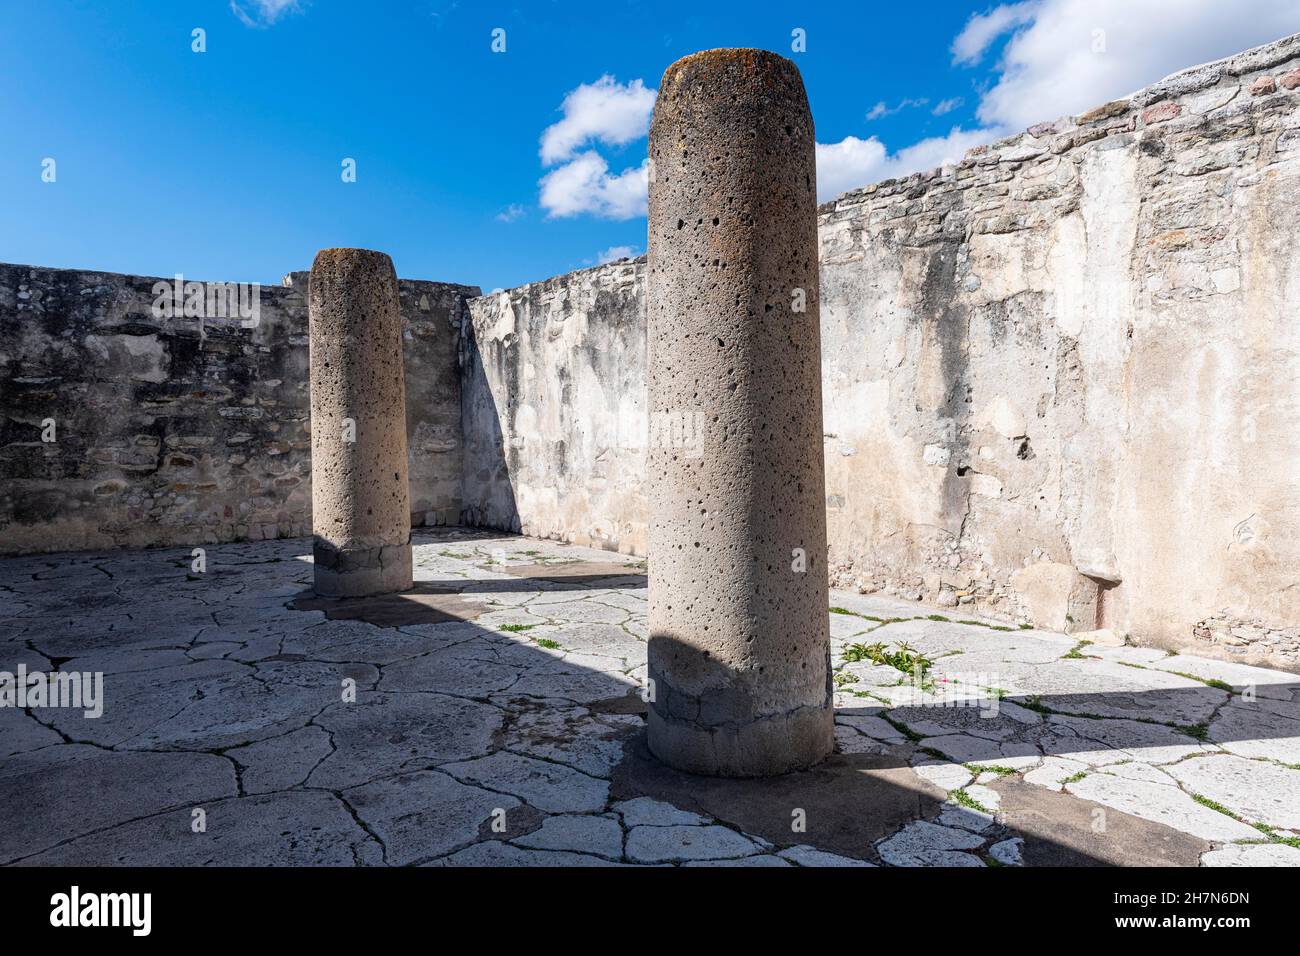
(1159, 102)
(296, 280)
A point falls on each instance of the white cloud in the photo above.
(947, 106)
(845, 165)
(1065, 56)
(585, 185)
(854, 162)
(605, 112)
(983, 28)
(614, 253)
(511, 213)
(263, 13)
(881, 109)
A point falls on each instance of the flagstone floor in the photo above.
(493, 716)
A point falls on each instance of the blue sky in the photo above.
(226, 164)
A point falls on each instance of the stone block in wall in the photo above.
(1056, 596)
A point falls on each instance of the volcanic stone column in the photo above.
(361, 512)
(739, 638)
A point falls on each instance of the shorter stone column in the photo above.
(361, 510)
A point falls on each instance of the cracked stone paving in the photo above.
(493, 716)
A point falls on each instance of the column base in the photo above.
(361, 572)
(762, 748)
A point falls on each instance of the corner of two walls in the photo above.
(1060, 378)
(554, 410)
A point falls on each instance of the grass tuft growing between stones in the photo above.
(1213, 805)
(516, 628)
(964, 799)
(908, 732)
(904, 657)
(549, 644)
(939, 618)
(1196, 731)
(1207, 681)
(992, 768)
(991, 627)
(1273, 837)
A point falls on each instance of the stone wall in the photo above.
(555, 409)
(170, 431)
(1061, 378)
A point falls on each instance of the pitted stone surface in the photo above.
(361, 503)
(737, 545)
(220, 695)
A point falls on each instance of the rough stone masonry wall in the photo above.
(1061, 378)
(165, 436)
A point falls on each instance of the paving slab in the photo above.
(597, 835)
(1256, 791)
(55, 794)
(647, 844)
(1064, 829)
(282, 829)
(423, 815)
(552, 787)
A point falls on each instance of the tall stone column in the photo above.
(361, 511)
(739, 634)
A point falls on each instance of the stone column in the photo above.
(361, 511)
(739, 634)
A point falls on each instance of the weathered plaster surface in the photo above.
(1073, 379)
(554, 406)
